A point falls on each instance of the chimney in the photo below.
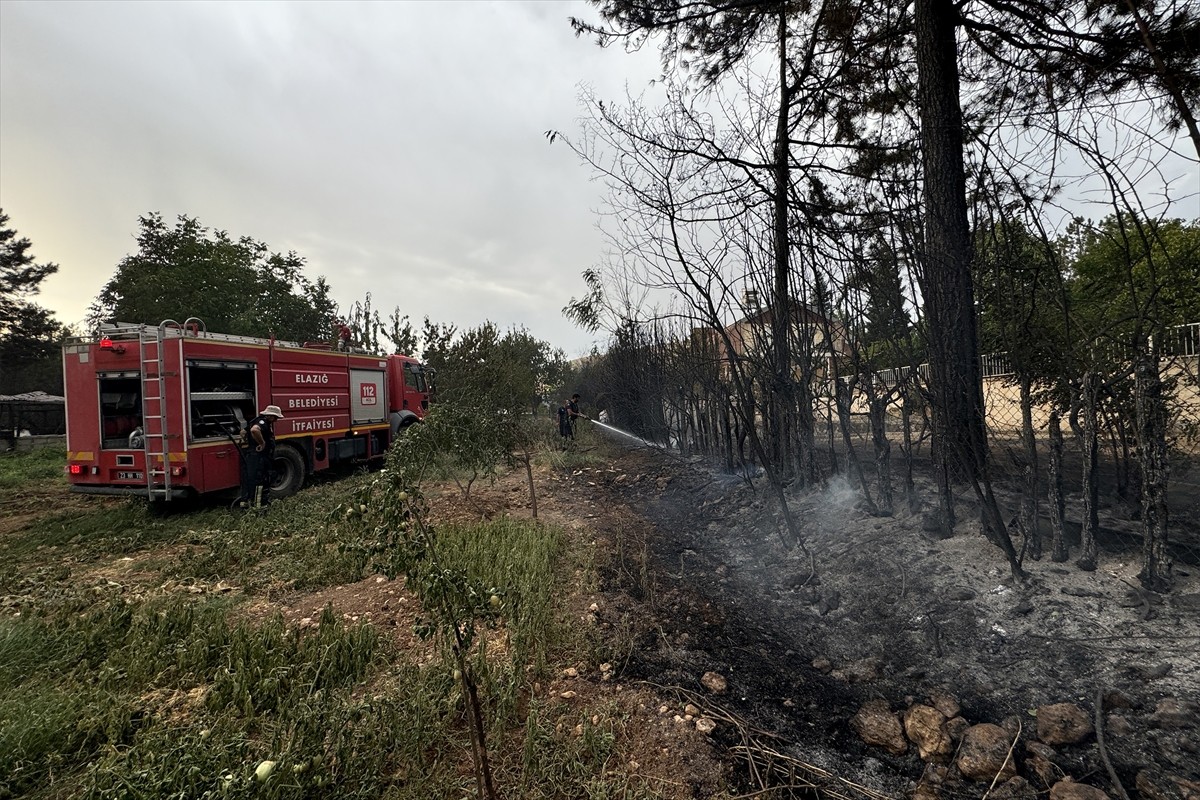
(750, 303)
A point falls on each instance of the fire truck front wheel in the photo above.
(289, 472)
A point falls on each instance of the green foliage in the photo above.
(235, 285)
(1127, 270)
(30, 336)
(44, 464)
(376, 334)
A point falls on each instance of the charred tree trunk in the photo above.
(1029, 499)
(955, 378)
(883, 450)
(1090, 488)
(780, 395)
(1054, 494)
(844, 390)
(910, 489)
(1152, 457)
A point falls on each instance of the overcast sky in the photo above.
(397, 146)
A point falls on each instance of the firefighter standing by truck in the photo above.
(260, 453)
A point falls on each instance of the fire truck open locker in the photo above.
(156, 411)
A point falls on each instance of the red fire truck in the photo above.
(157, 411)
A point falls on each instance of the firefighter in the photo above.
(343, 335)
(573, 412)
(260, 453)
(566, 428)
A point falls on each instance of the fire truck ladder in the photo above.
(154, 407)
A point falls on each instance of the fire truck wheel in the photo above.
(289, 472)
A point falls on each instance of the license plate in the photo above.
(129, 476)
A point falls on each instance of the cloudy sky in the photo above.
(397, 146)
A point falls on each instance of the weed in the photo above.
(41, 466)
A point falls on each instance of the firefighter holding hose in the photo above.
(260, 453)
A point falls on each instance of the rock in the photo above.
(1118, 725)
(1015, 788)
(1062, 723)
(983, 753)
(938, 781)
(714, 682)
(822, 665)
(830, 601)
(1039, 760)
(946, 703)
(1114, 698)
(862, 671)
(705, 725)
(691, 709)
(925, 727)
(926, 791)
(1155, 671)
(1154, 784)
(1068, 789)
(1012, 726)
(876, 725)
(957, 727)
(1175, 713)
(1022, 608)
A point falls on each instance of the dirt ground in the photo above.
(700, 573)
(735, 667)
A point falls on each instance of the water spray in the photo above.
(625, 434)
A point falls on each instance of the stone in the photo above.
(1062, 723)
(864, 670)
(925, 727)
(946, 703)
(957, 727)
(1041, 760)
(1012, 725)
(983, 753)
(1015, 788)
(1067, 789)
(705, 725)
(1172, 712)
(691, 709)
(822, 664)
(1154, 784)
(1115, 698)
(714, 682)
(1118, 725)
(876, 725)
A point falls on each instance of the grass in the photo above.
(117, 682)
(45, 464)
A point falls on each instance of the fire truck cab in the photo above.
(158, 411)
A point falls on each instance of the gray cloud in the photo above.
(397, 146)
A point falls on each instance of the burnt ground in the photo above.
(700, 572)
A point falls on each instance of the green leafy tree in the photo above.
(235, 285)
(487, 382)
(1124, 269)
(30, 336)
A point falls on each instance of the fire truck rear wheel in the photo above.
(289, 472)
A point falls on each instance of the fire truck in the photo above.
(158, 411)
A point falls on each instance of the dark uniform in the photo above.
(573, 412)
(256, 480)
(565, 429)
